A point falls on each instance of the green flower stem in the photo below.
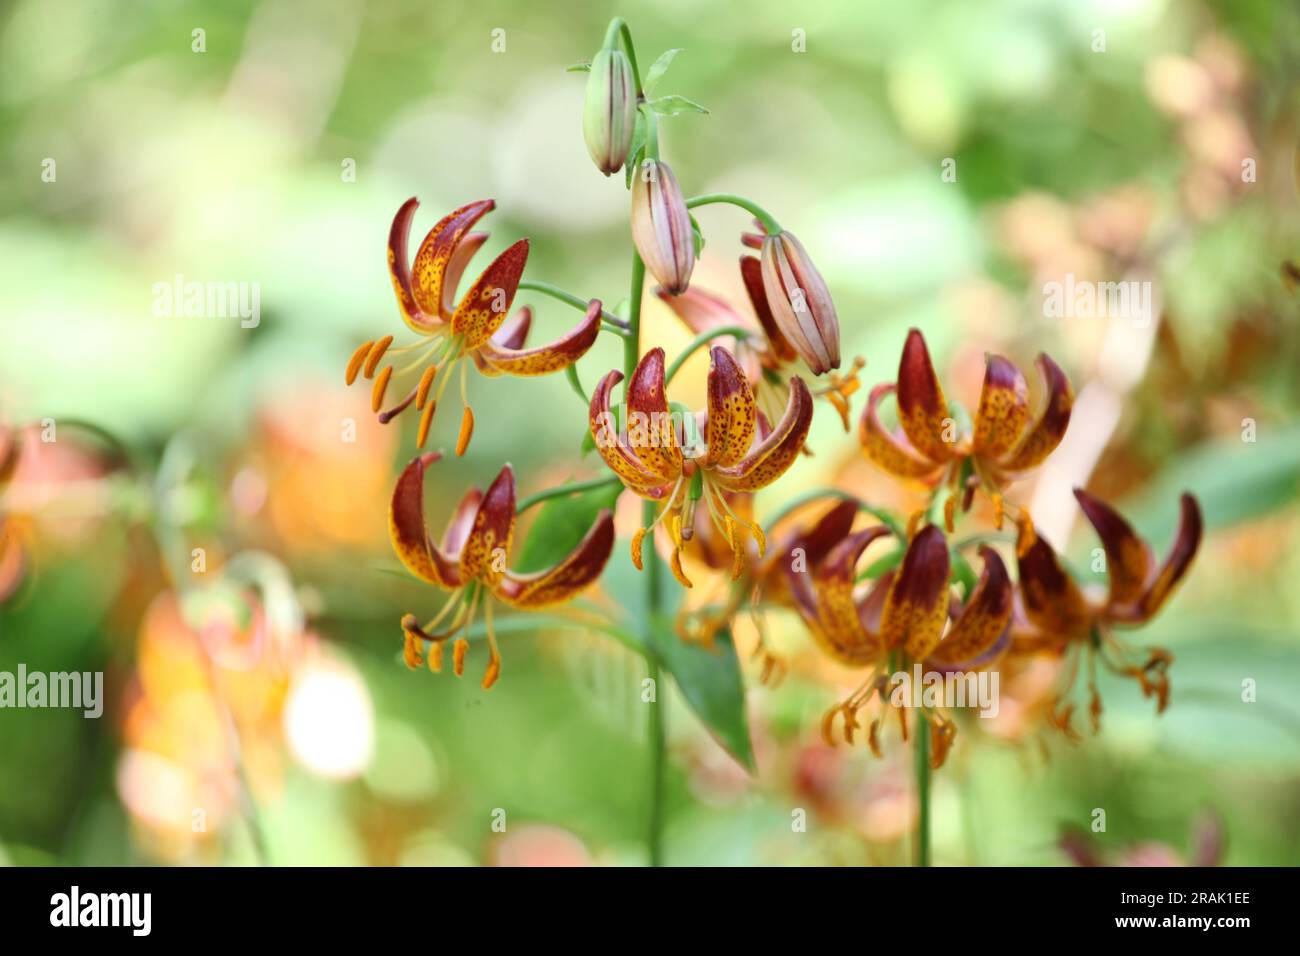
(770, 224)
(739, 331)
(923, 793)
(572, 488)
(618, 27)
(651, 131)
(611, 322)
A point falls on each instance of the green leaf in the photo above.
(658, 69)
(583, 66)
(673, 105)
(710, 679)
(711, 682)
(560, 525)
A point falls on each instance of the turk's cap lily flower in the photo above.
(738, 455)
(1006, 440)
(912, 611)
(471, 563)
(609, 110)
(661, 226)
(453, 330)
(1057, 614)
(800, 302)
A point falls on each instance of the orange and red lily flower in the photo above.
(1053, 613)
(473, 327)
(765, 354)
(1004, 444)
(738, 453)
(471, 563)
(901, 618)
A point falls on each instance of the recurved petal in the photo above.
(650, 431)
(458, 529)
(487, 303)
(1129, 561)
(890, 450)
(922, 409)
(544, 359)
(1047, 432)
(824, 595)
(916, 608)
(751, 271)
(1052, 601)
(431, 272)
(610, 444)
(769, 459)
(514, 331)
(1186, 542)
(407, 530)
(488, 544)
(733, 419)
(562, 582)
(980, 625)
(829, 530)
(399, 269)
(460, 257)
(703, 311)
(1003, 413)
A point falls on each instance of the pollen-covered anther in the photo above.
(950, 513)
(376, 353)
(458, 651)
(411, 650)
(435, 657)
(999, 509)
(942, 734)
(678, 573)
(380, 387)
(354, 363)
(737, 548)
(426, 419)
(492, 673)
(1026, 536)
(426, 383)
(637, 538)
(873, 739)
(466, 430)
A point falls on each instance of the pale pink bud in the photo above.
(800, 302)
(661, 226)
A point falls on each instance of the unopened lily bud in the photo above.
(800, 302)
(609, 112)
(661, 226)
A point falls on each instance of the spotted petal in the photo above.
(544, 359)
(916, 608)
(440, 262)
(1052, 601)
(1129, 561)
(563, 581)
(890, 450)
(610, 444)
(399, 269)
(650, 431)
(410, 536)
(982, 623)
(1050, 427)
(733, 418)
(487, 303)
(488, 543)
(772, 456)
(1003, 413)
(824, 596)
(922, 409)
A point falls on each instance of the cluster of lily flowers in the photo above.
(876, 617)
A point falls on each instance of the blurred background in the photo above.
(265, 714)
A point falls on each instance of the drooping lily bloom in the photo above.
(473, 327)
(900, 619)
(763, 581)
(735, 455)
(1005, 442)
(765, 354)
(1055, 614)
(471, 563)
